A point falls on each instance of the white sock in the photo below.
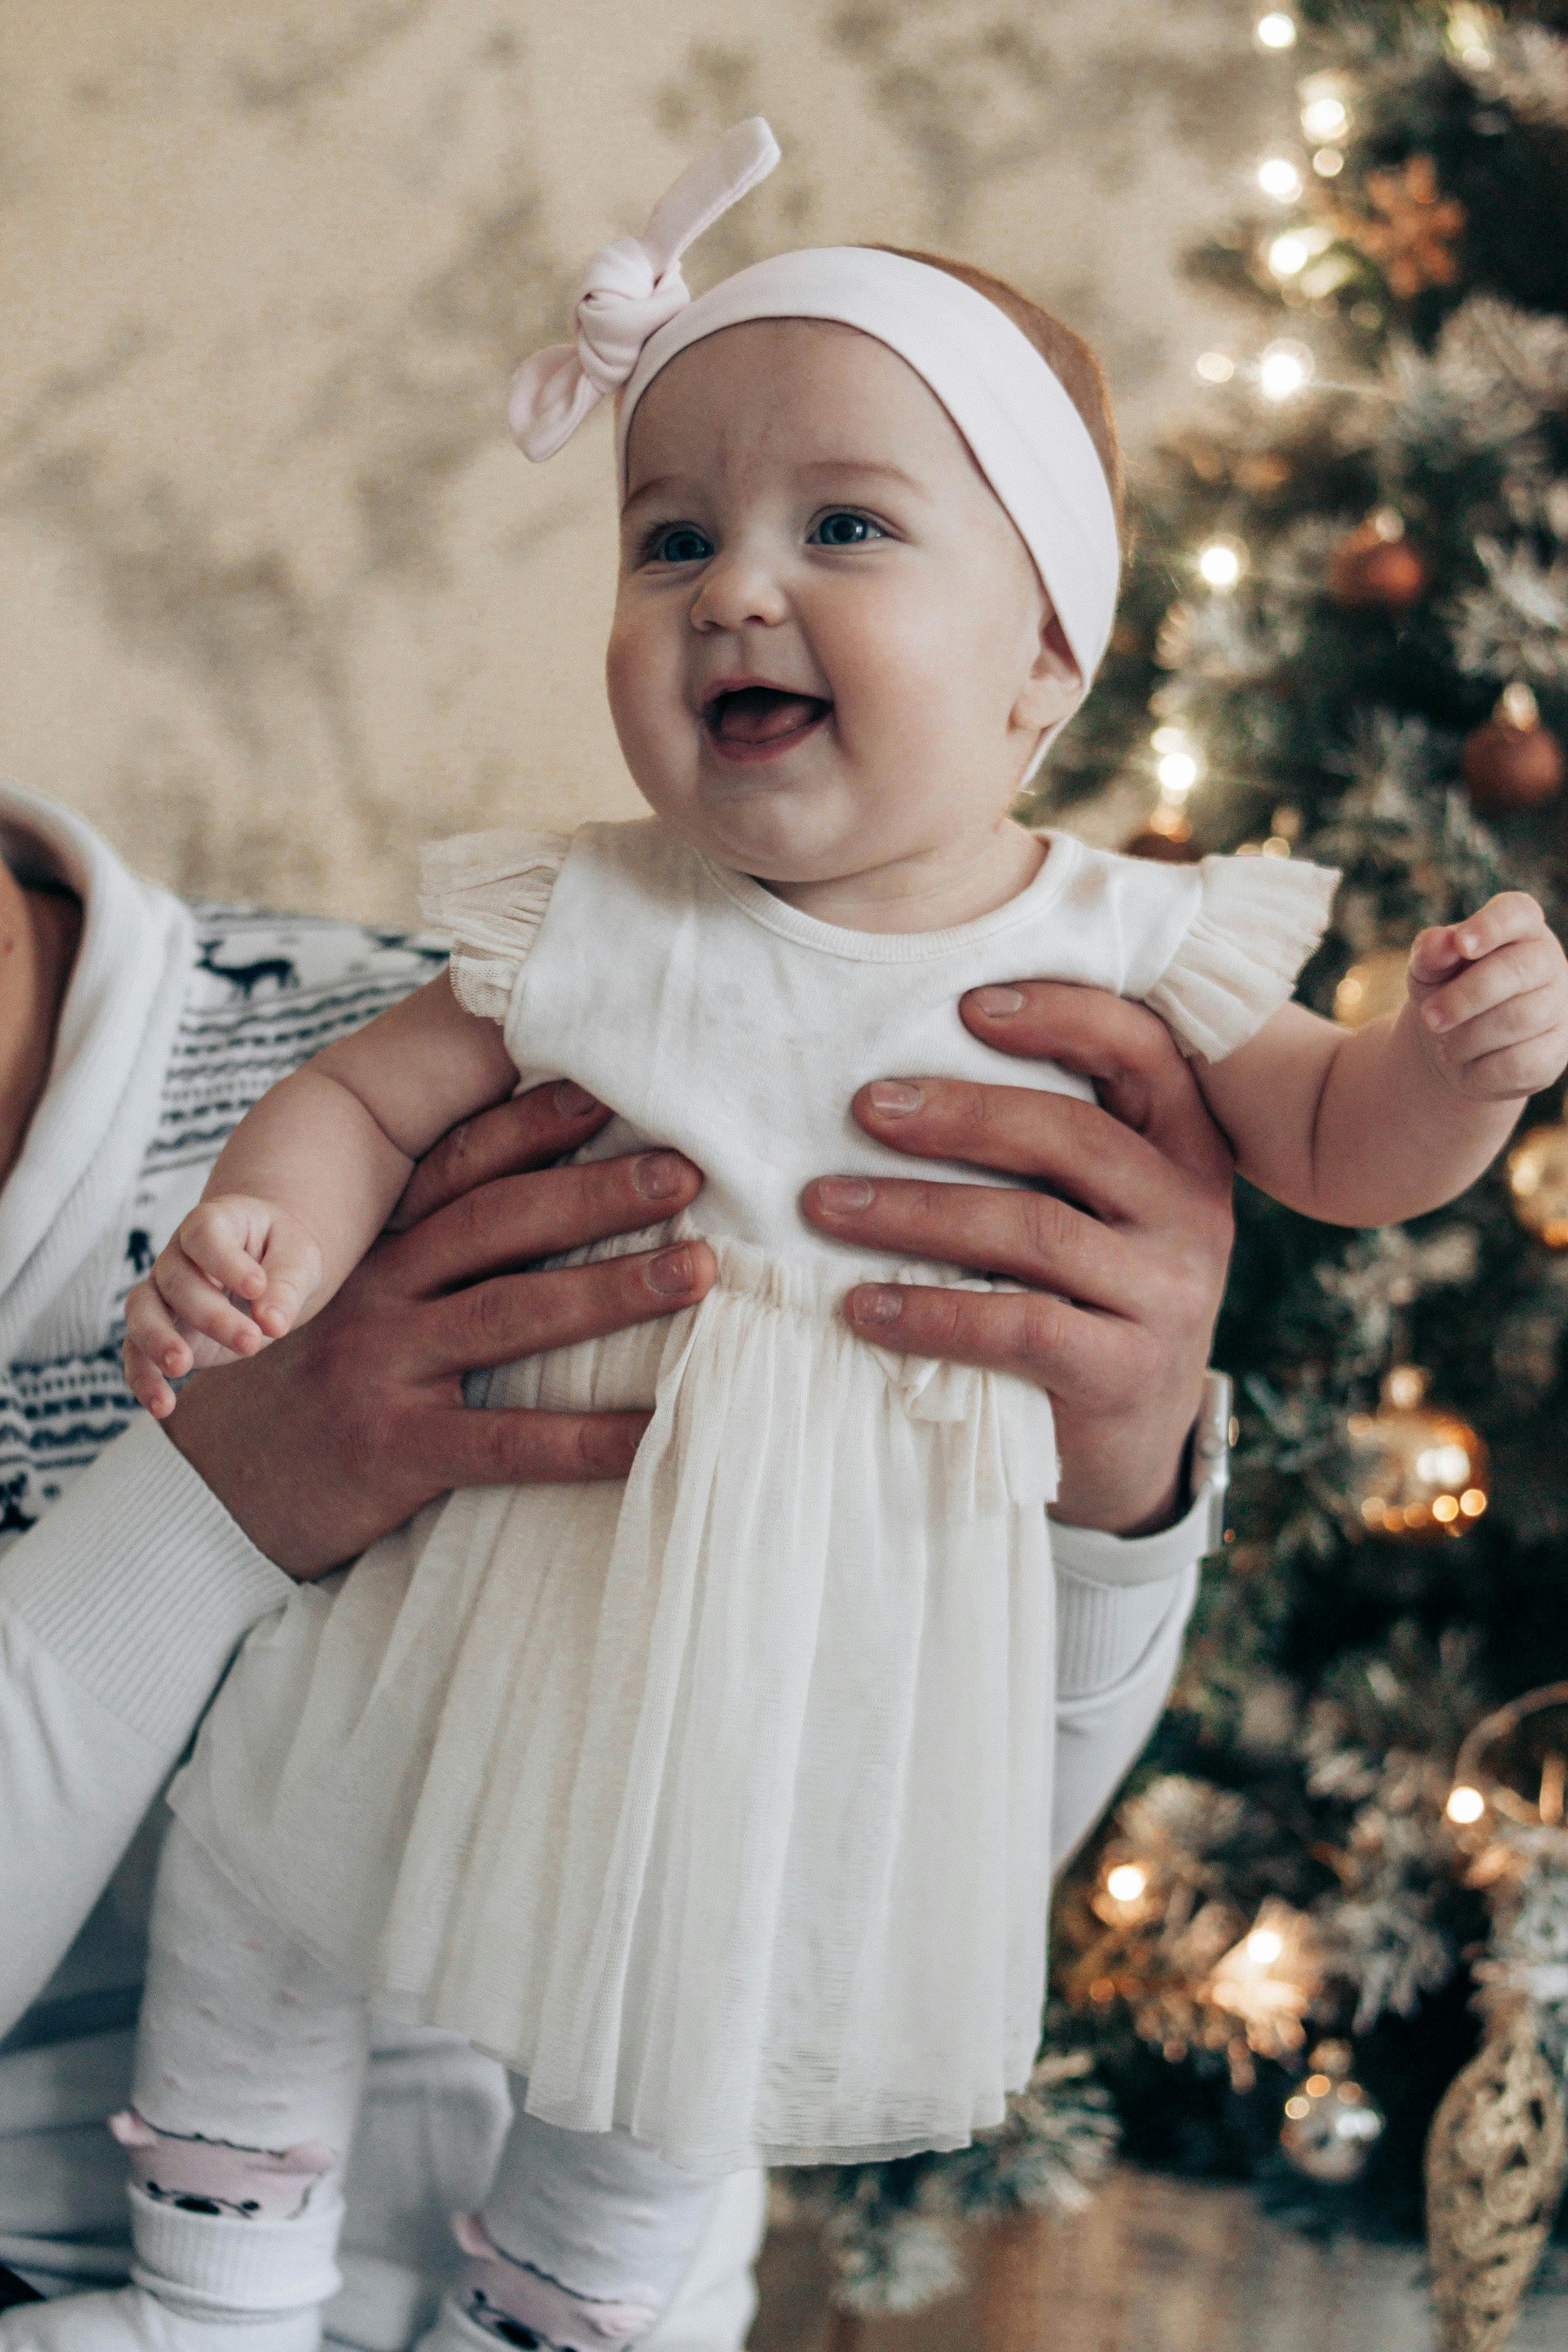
(202, 2283)
(131, 2321)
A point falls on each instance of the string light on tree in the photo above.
(1469, 36)
(1328, 162)
(1279, 177)
(1277, 30)
(1214, 367)
(1325, 116)
(1283, 369)
(1538, 1183)
(1290, 254)
(1221, 562)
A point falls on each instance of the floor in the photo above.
(1153, 2266)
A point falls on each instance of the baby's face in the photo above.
(831, 651)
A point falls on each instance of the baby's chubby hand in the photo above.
(1490, 996)
(237, 1274)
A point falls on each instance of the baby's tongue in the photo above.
(757, 714)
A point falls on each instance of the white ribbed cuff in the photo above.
(1105, 1633)
(1135, 1559)
(141, 1586)
(209, 2265)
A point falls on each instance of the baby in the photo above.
(716, 1802)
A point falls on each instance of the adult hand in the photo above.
(1120, 1230)
(338, 1432)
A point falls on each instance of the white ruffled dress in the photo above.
(717, 1802)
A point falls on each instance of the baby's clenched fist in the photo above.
(1490, 996)
(237, 1273)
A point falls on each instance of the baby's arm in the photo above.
(306, 1183)
(1369, 1126)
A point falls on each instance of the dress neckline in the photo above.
(1063, 855)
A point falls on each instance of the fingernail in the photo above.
(895, 1095)
(671, 1272)
(657, 1174)
(1470, 944)
(997, 1003)
(1435, 1017)
(839, 1195)
(573, 1101)
(876, 1303)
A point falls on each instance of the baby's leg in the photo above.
(249, 2064)
(583, 2239)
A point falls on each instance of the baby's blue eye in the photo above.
(681, 544)
(845, 528)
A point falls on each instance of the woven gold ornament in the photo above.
(1495, 2161)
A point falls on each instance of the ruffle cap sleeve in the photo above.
(1258, 920)
(488, 892)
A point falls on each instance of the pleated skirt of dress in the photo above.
(715, 1803)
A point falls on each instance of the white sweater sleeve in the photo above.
(1122, 1607)
(118, 1615)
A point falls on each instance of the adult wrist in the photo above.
(1192, 1520)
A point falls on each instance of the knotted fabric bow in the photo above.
(632, 288)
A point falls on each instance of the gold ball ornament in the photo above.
(1331, 2125)
(1512, 761)
(1375, 569)
(1538, 1183)
(1375, 984)
(1420, 1471)
(1496, 2157)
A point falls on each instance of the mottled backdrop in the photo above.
(278, 597)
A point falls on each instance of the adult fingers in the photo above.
(1061, 1348)
(1124, 1050)
(530, 1131)
(513, 1219)
(1074, 1147)
(496, 1447)
(1030, 1236)
(497, 1322)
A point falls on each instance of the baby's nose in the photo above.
(737, 589)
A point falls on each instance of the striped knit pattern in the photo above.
(264, 993)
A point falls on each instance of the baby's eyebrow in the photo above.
(874, 466)
(836, 467)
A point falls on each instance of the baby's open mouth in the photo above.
(758, 718)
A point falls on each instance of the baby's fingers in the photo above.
(223, 1238)
(291, 1263)
(195, 1300)
(1522, 968)
(146, 1382)
(1511, 915)
(155, 1336)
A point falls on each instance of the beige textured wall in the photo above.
(278, 597)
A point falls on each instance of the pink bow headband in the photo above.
(634, 313)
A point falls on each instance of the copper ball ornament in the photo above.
(1419, 1469)
(1168, 838)
(1511, 760)
(1375, 569)
(1538, 1183)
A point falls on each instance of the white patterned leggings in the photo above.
(250, 2067)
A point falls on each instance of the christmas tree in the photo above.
(1344, 636)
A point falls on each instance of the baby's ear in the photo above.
(1054, 683)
